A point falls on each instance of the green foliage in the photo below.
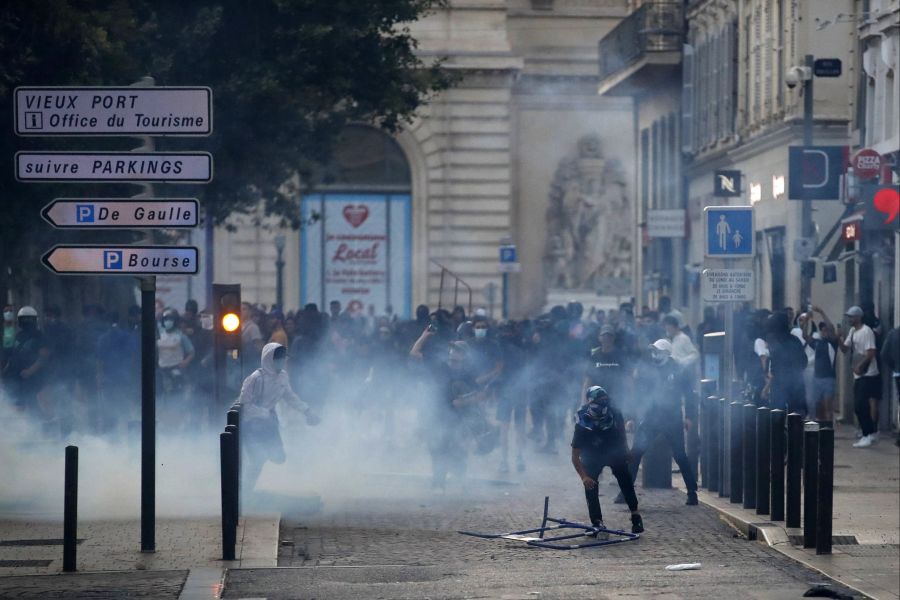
(286, 75)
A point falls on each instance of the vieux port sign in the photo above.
(116, 111)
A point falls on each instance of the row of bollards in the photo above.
(772, 463)
(230, 461)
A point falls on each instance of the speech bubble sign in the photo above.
(887, 201)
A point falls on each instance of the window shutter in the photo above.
(687, 99)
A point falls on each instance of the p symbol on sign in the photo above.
(112, 260)
(84, 213)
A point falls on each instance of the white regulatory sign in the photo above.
(728, 285)
(110, 213)
(122, 260)
(113, 111)
(181, 167)
(665, 223)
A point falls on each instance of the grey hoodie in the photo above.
(266, 387)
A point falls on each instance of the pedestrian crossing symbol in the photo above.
(729, 231)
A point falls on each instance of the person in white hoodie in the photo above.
(263, 390)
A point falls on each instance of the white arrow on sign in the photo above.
(122, 260)
(181, 167)
(113, 111)
(111, 213)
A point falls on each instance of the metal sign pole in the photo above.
(148, 414)
(807, 228)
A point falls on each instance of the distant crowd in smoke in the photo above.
(527, 376)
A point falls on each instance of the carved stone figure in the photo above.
(588, 224)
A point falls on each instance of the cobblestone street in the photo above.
(377, 546)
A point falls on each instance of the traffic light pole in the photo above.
(807, 227)
(148, 414)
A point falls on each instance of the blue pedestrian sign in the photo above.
(729, 231)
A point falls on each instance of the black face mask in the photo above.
(27, 325)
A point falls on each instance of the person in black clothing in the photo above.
(599, 441)
(787, 361)
(608, 368)
(662, 386)
(456, 394)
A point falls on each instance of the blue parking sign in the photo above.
(508, 254)
(112, 260)
(729, 231)
(84, 213)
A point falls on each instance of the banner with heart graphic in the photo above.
(358, 253)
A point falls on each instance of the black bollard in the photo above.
(705, 425)
(749, 458)
(715, 440)
(721, 412)
(232, 417)
(707, 389)
(234, 430)
(794, 469)
(70, 509)
(825, 492)
(776, 463)
(810, 477)
(229, 525)
(762, 460)
(737, 470)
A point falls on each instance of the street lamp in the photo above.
(279, 272)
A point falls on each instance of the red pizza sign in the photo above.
(867, 164)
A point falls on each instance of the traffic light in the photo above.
(227, 303)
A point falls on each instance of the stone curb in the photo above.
(775, 536)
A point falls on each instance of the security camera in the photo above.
(796, 75)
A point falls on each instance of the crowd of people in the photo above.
(493, 389)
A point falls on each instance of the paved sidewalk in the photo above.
(187, 563)
(866, 506)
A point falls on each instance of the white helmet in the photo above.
(27, 311)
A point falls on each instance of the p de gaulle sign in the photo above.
(128, 213)
(113, 111)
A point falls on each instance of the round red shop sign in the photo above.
(867, 164)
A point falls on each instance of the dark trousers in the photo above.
(672, 430)
(620, 471)
(863, 389)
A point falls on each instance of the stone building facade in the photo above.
(522, 148)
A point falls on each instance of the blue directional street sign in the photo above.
(729, 231)
(814, 172)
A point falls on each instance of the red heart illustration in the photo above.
(887, 201)
(356, 215)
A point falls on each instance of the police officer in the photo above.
(599, 441)
(661, 384)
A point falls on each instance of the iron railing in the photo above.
(456, 281)
(654, 27)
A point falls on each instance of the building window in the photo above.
(890, 105)
(779, 62)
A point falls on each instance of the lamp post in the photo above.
(279, 272)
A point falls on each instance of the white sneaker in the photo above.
(875, 437)
(864, 442)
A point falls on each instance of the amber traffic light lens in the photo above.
(230, 322)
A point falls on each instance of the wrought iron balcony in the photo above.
(652, 35)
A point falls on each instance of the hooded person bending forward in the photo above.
(261, 392)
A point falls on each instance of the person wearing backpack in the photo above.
(787, 362)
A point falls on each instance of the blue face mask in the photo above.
(278, 364)
(481, 333)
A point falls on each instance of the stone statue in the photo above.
(588, 220)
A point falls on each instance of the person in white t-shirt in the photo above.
(860, 343)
